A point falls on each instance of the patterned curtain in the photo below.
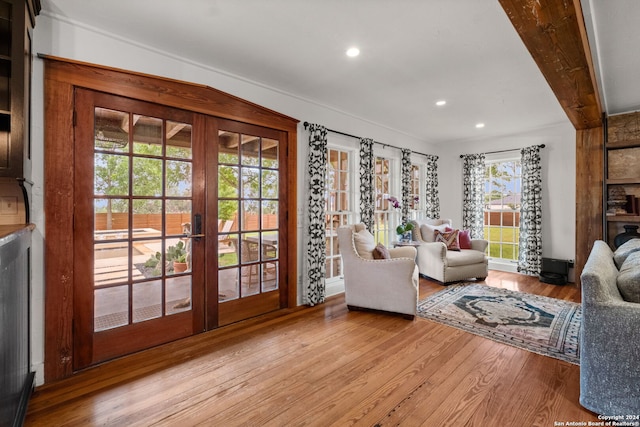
(473, 171)
(432, 199)
(366, 183)
(314, 286)
(406, 184)
(530, 253)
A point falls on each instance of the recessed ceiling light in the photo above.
(480, 125)
(353, 52)
(441, 103)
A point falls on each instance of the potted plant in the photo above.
(175, 260)
(404, 231)
(177, 255)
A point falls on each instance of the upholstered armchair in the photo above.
(437, 262)
(389, 283)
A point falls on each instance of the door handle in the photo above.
(197, 227)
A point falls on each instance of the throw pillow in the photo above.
(428, 231)
(381, 252)
(464, 238)
(629, 278)
(365, 243)
(449, 238)
(626, 249)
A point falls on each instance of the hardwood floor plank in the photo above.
(325, 366)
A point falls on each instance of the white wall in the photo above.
(58, 37)
(558, 176)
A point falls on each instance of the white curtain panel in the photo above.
(406, 184)
(366, 183)
(530, 253)
(432, 198)
(314, 236)
(473, 171)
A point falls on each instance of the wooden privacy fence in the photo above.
(120, 221)
(504, 218)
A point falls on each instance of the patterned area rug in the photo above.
(539, 324)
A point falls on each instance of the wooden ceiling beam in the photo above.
(555, 35)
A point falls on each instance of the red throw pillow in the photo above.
(449, 238)
(464, 238)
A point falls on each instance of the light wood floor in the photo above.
(325, 366)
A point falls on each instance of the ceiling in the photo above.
(413, 53)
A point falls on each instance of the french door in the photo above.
(159, 255)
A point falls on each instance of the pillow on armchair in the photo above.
(449, 238)
(428, 232)
(365, 243)
(464, 238)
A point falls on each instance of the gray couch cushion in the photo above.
(629, 278)
(625, 250)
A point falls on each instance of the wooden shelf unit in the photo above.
(621, 159)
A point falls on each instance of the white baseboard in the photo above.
(335, 288)
(510, 267)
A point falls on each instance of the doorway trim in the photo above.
(62, 77)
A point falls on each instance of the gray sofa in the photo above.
(609, 339)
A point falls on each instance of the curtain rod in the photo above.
(306, 125)
(503, 151)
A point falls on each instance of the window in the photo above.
(503, 186)
(338, 205)
(385, 217)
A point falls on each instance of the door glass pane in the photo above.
(250, 182)
(178, 294)
(142, 215)
(228, 181)
(147, 177)
(111, 308)
(111, 130)
(228, 145)
(147, 135)
(111, 175)
(178, 140)
(269, 184)
(270, 153)
(228, 284)
(250, 150)
(147, 257)
(178, 178)
(250, 215)
(269, 214)
(147, 300)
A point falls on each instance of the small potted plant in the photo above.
(178, 256)
(175, 260)
(404, 231)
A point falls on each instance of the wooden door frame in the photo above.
(61, 77)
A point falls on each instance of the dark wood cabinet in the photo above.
(17, 19)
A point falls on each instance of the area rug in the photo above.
(539, 324)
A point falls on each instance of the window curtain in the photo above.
(406, 185)
(366, 183)
(314, 278)
(530, 253)
(432, 199)
(473, 171)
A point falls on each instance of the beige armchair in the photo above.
(389, 285)
(436, 262)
